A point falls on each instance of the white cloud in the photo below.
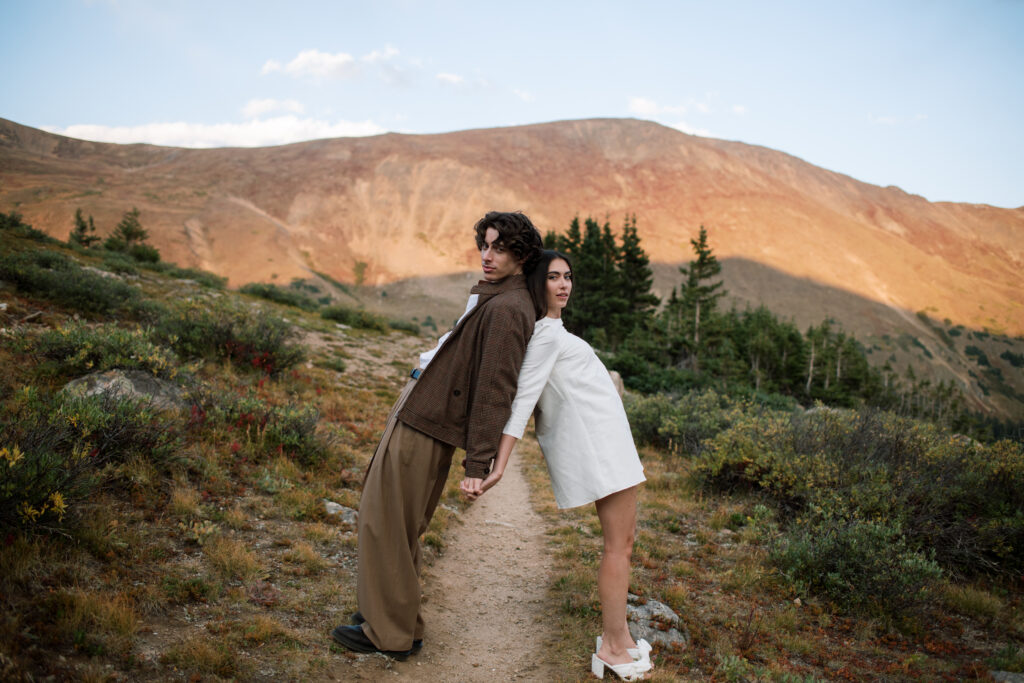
(315, 64)
(739, 109)
(384, 55)
(523, 95)
(325, 65)
(257, 108)
(452, 79)
(256, 133)
(691, 130)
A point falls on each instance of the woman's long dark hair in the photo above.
(537, 280)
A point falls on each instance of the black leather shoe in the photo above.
(354, 639)
(417, 645)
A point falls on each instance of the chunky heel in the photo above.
(596, 665)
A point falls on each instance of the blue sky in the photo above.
(925, 95)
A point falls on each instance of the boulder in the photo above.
(348, 515)
(131, 384)
(617, 381)
(655, 622)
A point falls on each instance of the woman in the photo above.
(584, 435)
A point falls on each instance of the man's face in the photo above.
(497, 261)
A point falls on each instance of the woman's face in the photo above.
(559, 285)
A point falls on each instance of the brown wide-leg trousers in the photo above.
(402, 488)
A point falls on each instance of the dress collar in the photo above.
(550, 322)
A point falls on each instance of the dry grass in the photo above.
(232, 560)
(972, 602)
(202, 654)
(318, 532)
(263, 629)
(98, 622)
(184, 502)
(307, 559)
(236, 518)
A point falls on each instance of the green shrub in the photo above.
(76, 348)
(681, 425)
(1010, 658)
(13, 223)
(951, 496)
(202, 277)
(53, 276)
(862, 566)
(117, 262)
(977, 354)
(1014, 359)
(288, 430)
(641, 375)
(281, 295)
(55, 451)
(144, 253)
(354, 318)
(253, 339)
(404, 326)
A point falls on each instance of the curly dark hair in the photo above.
(515, 232)
(537, 280)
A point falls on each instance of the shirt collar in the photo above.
(488, 288)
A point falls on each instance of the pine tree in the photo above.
(698, 297)
(128, 233)
(635, 275)
(84, 232)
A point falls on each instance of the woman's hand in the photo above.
(472, 488)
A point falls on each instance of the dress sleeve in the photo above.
(541, 354)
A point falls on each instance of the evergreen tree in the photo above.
(84, 232)
(635, 276)
(128, 233)
(695, 306)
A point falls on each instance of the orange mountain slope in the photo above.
(404, 206)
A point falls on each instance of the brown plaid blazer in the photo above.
(464, 396)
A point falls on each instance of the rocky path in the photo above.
(485, 598)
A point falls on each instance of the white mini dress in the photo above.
(581, 424)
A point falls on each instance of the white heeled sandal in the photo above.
(627, 671)
(641, 651)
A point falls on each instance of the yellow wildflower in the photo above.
(11, 455)
(29, 513)
(58, 504)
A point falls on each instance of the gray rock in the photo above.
(1007, 677)
(617, 381)
(646, 619)
(130, 384)
(348, 515)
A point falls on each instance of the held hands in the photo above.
(472, 487)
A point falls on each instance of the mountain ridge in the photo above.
(404, 205)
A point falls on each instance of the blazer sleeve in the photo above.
(541, 354)
(503, 337)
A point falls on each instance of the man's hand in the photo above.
(473, 488)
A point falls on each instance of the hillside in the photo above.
(804, 239)
(187, 538)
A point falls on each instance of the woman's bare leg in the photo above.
(617, 513)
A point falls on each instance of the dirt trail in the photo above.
(485, 598)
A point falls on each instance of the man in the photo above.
(459, 397)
